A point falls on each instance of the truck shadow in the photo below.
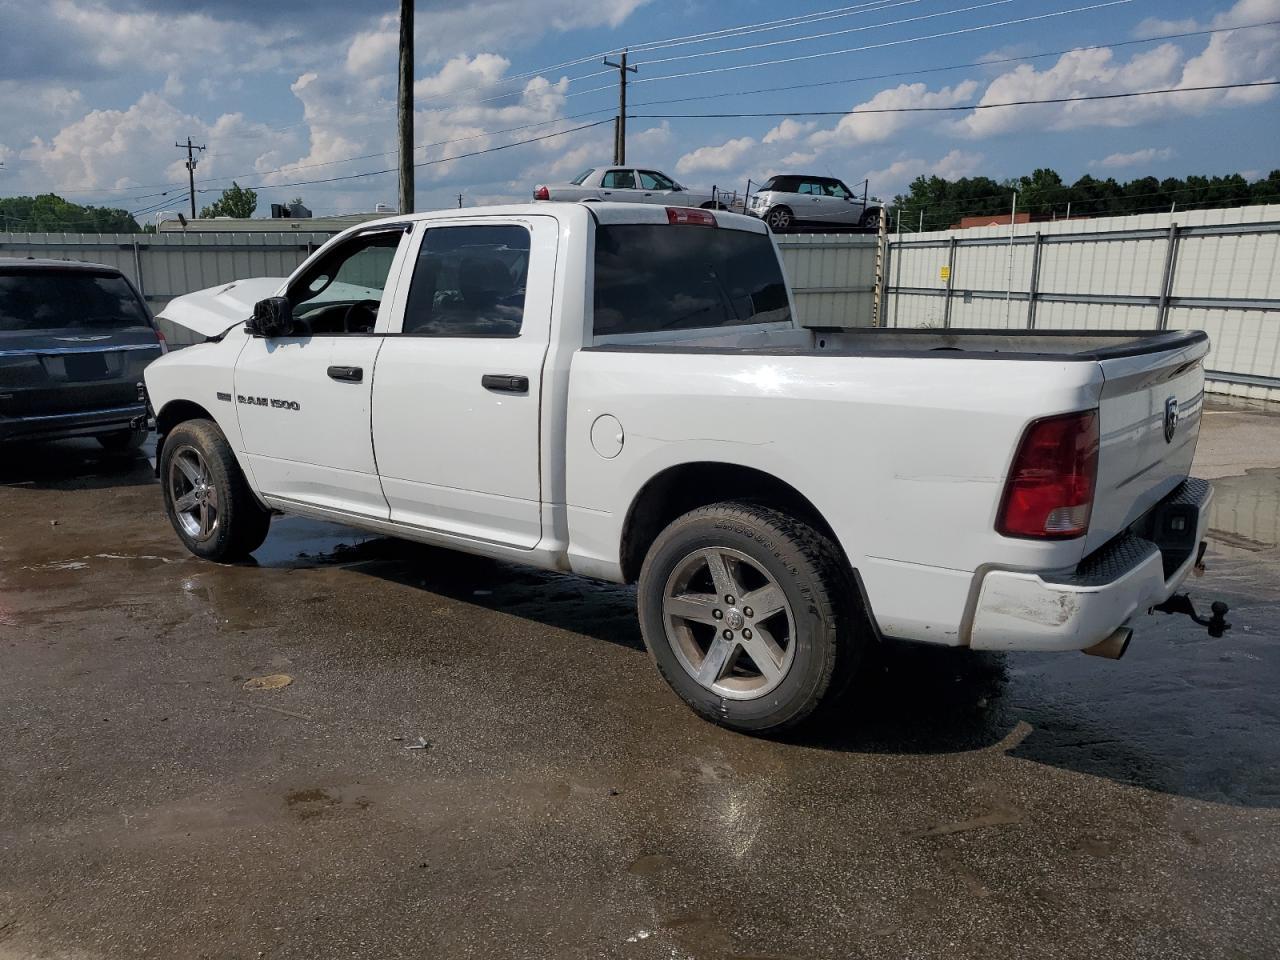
(1175, 717)
(72, 465)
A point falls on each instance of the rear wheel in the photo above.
(125, 440)
(748, 614)
(780, 219)
(206, 496)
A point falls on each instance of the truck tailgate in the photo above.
(1149, 421)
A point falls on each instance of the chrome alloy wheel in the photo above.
(194, 496)
(779, 220)
(729, 623)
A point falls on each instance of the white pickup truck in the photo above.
(623, 391)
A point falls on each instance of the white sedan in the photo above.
(627, 184)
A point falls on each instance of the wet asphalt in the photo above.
(476, 760)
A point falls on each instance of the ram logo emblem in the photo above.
(1170, 418)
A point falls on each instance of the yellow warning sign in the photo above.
(944, 272)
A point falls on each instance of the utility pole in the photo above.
(459, 201)
(191, 170)
(404, 106)
(620, 125)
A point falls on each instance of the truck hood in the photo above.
(210, 312)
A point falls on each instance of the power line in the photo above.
(874, 46)
(833, 33)
(955, 66)
(954, 107)
(707, 37)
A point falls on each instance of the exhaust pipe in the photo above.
(1112, 646)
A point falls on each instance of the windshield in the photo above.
(652, 277)
(68, 299)
(581, 178)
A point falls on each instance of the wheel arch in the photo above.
(170, 415)
(678, 489)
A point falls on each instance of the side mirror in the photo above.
(272, 317)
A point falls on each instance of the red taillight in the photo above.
(164, 344)
(1049, 494)
(541, 193)
(690, 215)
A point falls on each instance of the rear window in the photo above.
(68, 299)
(657, 277)
(581, 178)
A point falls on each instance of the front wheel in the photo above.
(206, 496)
(870, 219)
(749, 615)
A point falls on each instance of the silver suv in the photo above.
(788, 203)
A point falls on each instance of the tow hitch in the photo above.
(1181, 603)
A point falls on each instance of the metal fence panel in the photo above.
(1216, 270)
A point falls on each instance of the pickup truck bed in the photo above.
(622, 391)
(969, 344)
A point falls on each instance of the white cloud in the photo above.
(723, 157)
(1232, 57)
(1159, 27)
(1134, 159)
(787, 130)
(894, 179)
(462, 76)
(101, 149)
(860, 128)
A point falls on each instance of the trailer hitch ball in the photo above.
(1216, 623)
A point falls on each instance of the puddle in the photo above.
(296, 542)
(1246, 510)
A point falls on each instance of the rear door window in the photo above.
(619, 180)
(469, 281)
(657, 277)
(68, 300)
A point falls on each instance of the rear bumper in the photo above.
(1072, 611)
(76, 423)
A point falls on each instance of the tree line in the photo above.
(50, 213)
(940, 202)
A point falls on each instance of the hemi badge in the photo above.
(224, 396)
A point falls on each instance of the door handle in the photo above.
(505, 383)
(347, 374)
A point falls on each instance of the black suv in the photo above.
(74, 339)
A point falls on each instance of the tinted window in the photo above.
(837, 189)
(469, 282)
(619, 179)
(581, 178)
(653, 277)
(63, 299)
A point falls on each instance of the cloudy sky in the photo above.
(94, 93)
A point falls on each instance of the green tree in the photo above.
(236, 201)
(50, 213)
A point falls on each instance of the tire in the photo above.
(780, 219)
(870, 219)
(124, 441)
(815, 640)
(206, 496)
